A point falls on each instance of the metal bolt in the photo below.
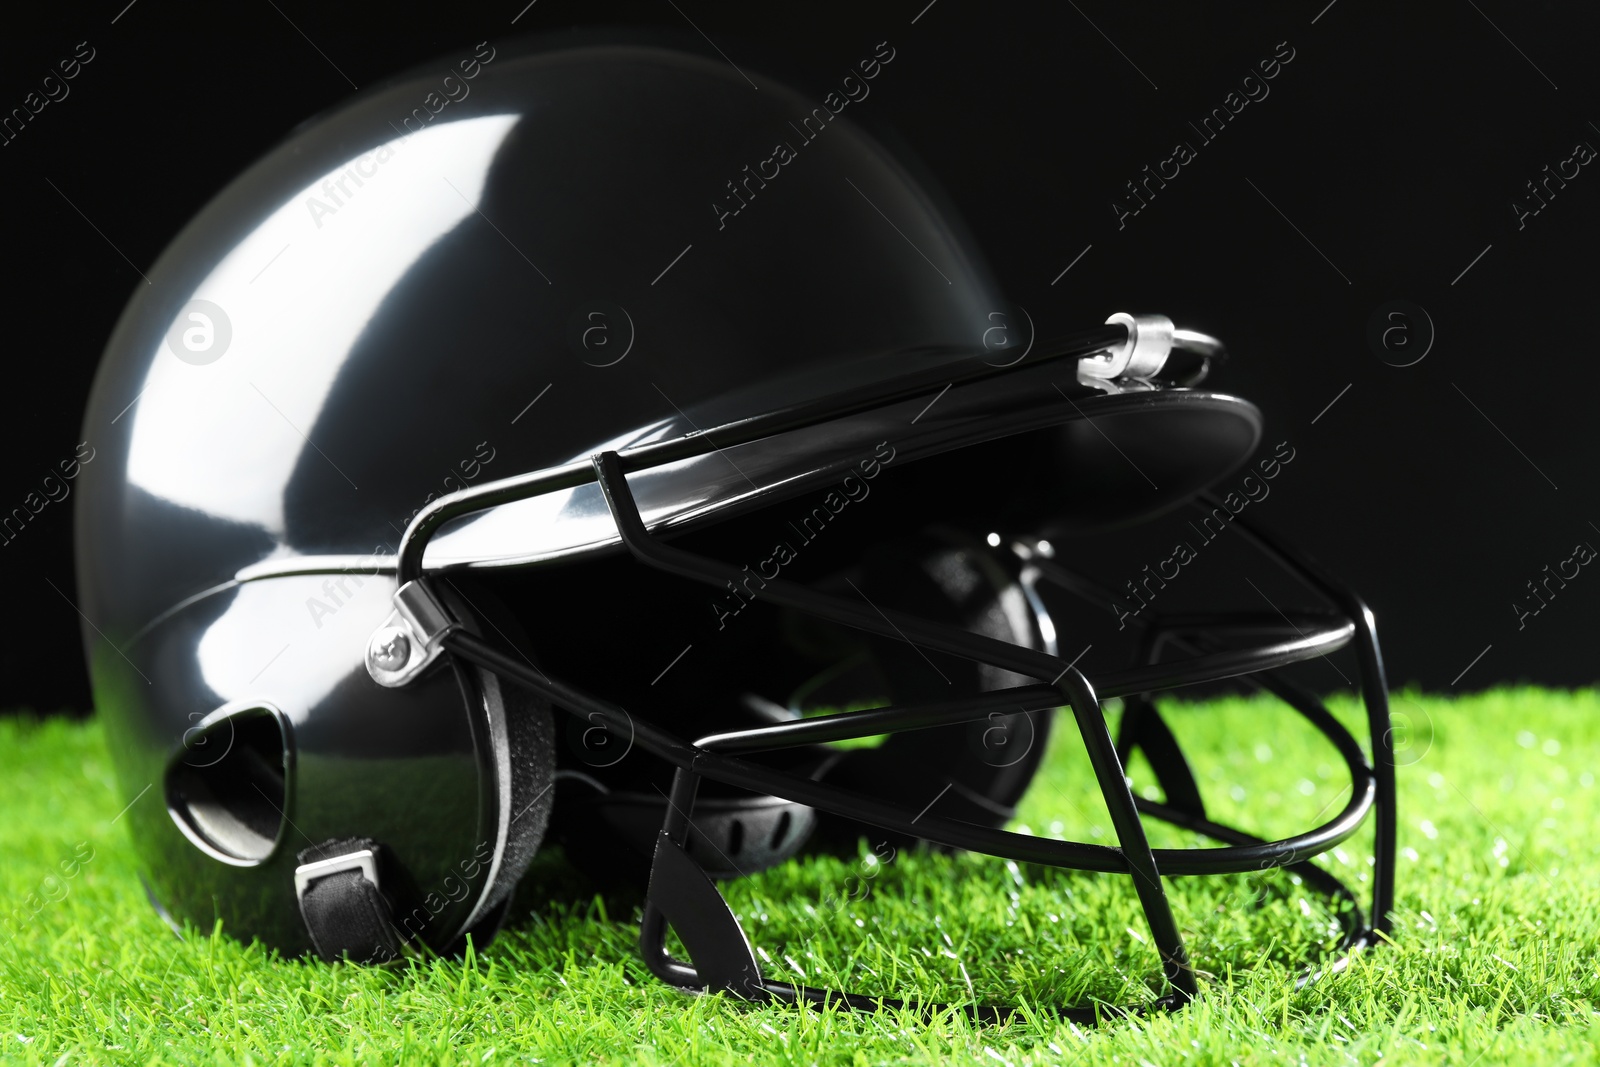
(390, 649)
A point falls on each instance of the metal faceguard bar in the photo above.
(683, 896)
(1113, 343)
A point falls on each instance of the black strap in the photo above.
(346, 915)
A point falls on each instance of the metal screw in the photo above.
(390, 649)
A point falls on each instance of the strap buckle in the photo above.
(364, 860)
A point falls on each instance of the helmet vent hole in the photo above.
(225, 789)
(780, 831)
(735, 837)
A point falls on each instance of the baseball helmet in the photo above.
(600, 444)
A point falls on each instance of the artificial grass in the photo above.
(1494, 957)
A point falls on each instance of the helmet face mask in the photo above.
(777, 562)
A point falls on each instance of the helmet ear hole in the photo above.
(226, 787)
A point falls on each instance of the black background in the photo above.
(1395, 141)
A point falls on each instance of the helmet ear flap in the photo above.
(521, 749)
(976, 771)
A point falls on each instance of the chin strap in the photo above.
(342, 905)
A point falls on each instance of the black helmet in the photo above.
(567, 441)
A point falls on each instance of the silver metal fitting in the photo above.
(390, 649)
(410, 639)
(363, 860)
(1141, 356)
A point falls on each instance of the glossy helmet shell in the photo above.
(507, 261)
(391, 305)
